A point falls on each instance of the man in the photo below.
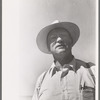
(68, 78)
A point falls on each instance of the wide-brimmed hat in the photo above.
(42, 36)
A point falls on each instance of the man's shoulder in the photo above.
(47, 70)
(84, 63)
(41, 77)
(42, 74)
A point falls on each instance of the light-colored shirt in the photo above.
(64, 82)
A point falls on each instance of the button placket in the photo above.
(63, 82)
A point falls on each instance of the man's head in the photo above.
(59, 41)
(67, 32)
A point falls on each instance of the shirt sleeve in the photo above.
(93, 69)
(37, 87)
(93, 66)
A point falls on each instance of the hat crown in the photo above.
(56, 21)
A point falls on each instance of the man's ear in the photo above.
(48, 46)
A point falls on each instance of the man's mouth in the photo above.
(60, 45)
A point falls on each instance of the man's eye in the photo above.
(53, 37)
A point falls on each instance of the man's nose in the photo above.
(59, 39)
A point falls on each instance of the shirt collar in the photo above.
(56, 66)
(71, 64)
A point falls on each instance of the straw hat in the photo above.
(42, 36)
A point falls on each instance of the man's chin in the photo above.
(61, 51)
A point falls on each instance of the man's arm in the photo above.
(38, 86)
(92, 68)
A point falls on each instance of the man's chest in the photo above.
(67, 87)
(55, 85)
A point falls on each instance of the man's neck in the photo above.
(65, 59)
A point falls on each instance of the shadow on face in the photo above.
(59, 41)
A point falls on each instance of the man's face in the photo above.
(59, 41)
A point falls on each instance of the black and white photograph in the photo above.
(52, 51)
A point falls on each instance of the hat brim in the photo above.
(42, 36)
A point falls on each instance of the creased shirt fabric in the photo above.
(68, 87)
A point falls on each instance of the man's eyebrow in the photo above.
(52, 35)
